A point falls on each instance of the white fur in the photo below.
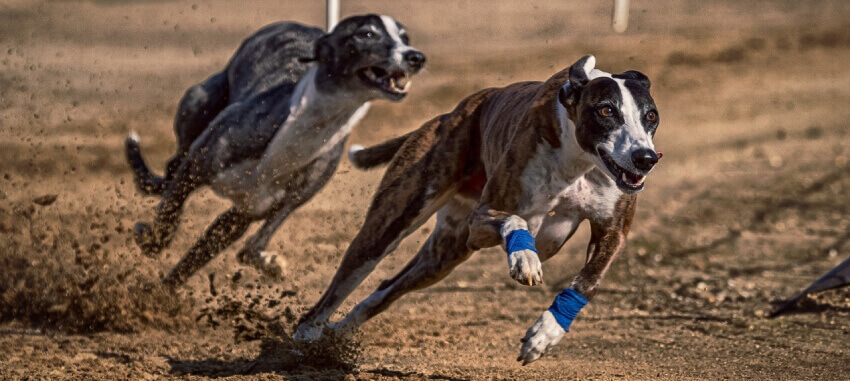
(134, 136)
(270, 263)
(395, 34)
(355, 148)
(623, 142)
(511, 224)
(524, 265)
(632, 136)
(317, 122)
(540, 337)
(589, 65)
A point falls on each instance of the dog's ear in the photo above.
(323, 50)
(580, 71)
(564, 95)
(579, 76)
(635, 75)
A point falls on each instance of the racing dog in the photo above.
(268, 131)
(521, 167)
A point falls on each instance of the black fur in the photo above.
(379, 154)
(233, 116)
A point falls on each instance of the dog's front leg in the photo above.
(490, 228)
(607, 241)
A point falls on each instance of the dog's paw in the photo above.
(343, 330)
(268, 263)
(543, 335)
(308, 332)
(525, 267)
(146, 240)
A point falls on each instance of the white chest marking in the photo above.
(317, 123)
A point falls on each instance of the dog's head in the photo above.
(369, 55)
(615, 120)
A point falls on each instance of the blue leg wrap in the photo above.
(566, 306)
(518, 240)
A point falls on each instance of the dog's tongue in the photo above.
(659, 154)
(633, 179)
(400, 81)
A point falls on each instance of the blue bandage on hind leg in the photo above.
(566, 306)
(518, 240)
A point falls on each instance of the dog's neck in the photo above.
(317, 122)
(309, 97)
(572, 161)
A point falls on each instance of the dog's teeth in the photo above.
(401, 82)
(371, 74)
(627, 179)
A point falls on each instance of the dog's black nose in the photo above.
(415, 59)
(644, 159)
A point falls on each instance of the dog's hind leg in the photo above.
(153, 238)
(227, 228)
(394, 215)
(445, 249)
(414, 187)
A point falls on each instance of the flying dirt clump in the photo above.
(60, 274)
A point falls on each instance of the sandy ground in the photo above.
(749, 204)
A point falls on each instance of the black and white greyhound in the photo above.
(268, 131)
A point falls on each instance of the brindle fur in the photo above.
(503, 154)
(490, 135)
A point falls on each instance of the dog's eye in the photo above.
(368, 35)
(652, 116)
(606, 111)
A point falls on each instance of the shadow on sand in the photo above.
(331, 359)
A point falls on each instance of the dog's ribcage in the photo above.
(317, 123)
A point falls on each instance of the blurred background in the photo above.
(748, 205)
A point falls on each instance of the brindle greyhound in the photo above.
(269, 130)
(530, 159)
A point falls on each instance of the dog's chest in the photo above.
(591, 195)
(309, 132)
(317, 123)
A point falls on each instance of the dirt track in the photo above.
(749, 204)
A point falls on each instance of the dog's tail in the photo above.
(368, 158)
(146, 181)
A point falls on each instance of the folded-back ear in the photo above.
(323, 51)
(564, 95)
(635, 75)
(580, 71)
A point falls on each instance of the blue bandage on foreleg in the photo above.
(518, 240)
(566, 306)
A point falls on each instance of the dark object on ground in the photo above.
(835, 278)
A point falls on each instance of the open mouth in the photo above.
(395, 83)
(626, 180)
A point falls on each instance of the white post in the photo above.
(333, 14)
(621, 15)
